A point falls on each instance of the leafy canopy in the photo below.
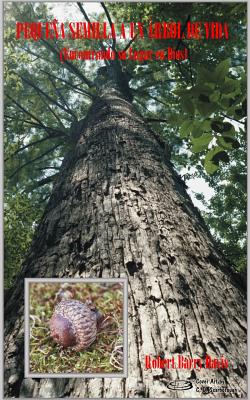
(198, 106)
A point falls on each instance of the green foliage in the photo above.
(21, 213)
(208, 105)
(201, 105)
(227, 211)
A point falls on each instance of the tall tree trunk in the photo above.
(118, 209)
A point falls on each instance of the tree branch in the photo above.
(142, 105)
(34, 159)
(62, 98)
(55, 115)
(155, 120)
(39, 125)
(28, 145)
(83, 12)
(49, 167)
(36, 55)
(88, 20)
(150, 96)
(110, 24)
(182, 31)
(232, 119)
(25, 111)
(45, 95)
(69, 66)
(90, 95)
(130, 42)
(180, 41)
(44, 181)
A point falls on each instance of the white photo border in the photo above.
(28, 374)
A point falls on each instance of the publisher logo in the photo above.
(180, 385)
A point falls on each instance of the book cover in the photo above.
(125, 200)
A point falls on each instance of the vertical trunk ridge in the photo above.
(119, 210)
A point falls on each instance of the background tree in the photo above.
(112, 154)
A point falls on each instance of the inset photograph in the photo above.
(76, 327)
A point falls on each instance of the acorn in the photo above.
(75, 324)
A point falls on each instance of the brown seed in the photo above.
(75, 324)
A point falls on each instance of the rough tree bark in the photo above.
(118, 209)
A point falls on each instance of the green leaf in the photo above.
(187, 105)
(203, 74)
(201, 143)
(210, 167)
(175, 119)
(215, 96)
(238, 112)
(181, 92)
(219, 126)
(244, 107)
(222, 70)
(197, 129)
(206, 109)
(213, 157)
(202, 88)
(158, 76)
(185, 129)
(225, 103)
(230, 85)
(230, 134)
(196, 133)
(204, 98)
(227, 127)
(221, 156)
(225, 143)
(243, 82)
(206, 124)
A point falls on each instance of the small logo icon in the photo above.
(205, 389)
(180, 385)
